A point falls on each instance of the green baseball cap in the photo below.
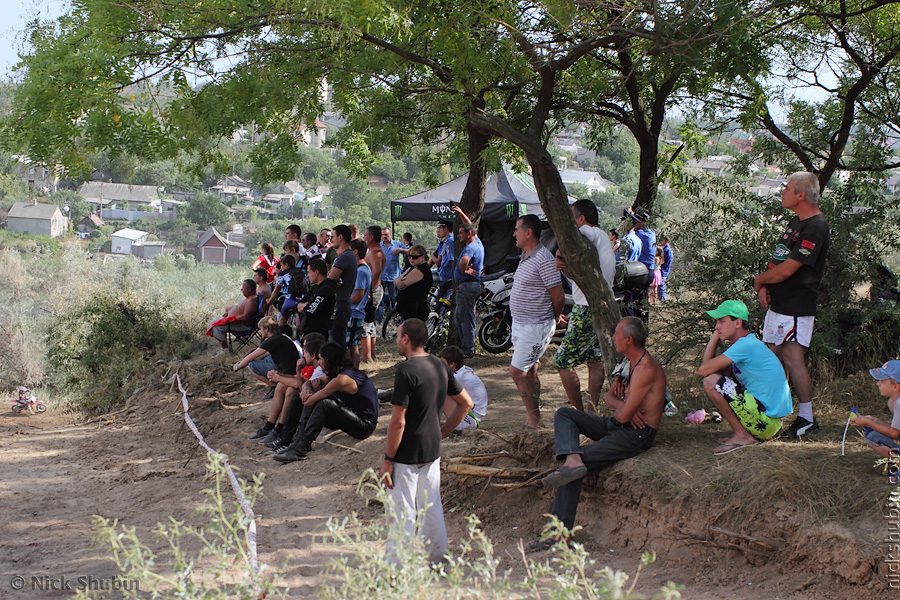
(730, 308)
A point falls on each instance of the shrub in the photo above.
(98, 349)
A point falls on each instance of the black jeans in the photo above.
(613, 442)
(339, 327)
(307, 422)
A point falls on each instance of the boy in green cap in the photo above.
(746, 382)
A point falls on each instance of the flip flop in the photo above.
(563, 476)
(731, 448)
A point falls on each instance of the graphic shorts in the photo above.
(580, 344)
(748, 409)
(779, 328)
(354, 331)
(530, 341)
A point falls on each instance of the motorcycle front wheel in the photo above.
(495, 333)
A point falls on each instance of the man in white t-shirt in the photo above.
(580, 344)
(454, 358)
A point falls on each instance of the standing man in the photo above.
(665, 266)
(391, 267)
(648, 259)
(343, 272)
(375, 258)
(536, 302)
(636, 405)
(293, 232)
(789, 288)
(442, 259)
(633, 299)
(358, 300)
(467, 276)
(746, 383)
(411, 468)
(580, 344)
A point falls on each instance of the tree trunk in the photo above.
(582, 262)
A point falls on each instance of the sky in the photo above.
(17, 14)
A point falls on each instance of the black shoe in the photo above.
(271, 443)
(278, 448)
(294, 452)
(799, 428)
(469, 355)
(270, 394)
(271, 436)
(263, 432)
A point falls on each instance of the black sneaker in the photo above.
(278, 448)
(270, 394)
(294, 452)
(271, 436)
(799, 428)
(263, 432)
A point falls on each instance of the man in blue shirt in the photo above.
(391, 248)
(467, 276)
(442, 259)
(635, 301)
(665, 266)
(358, 300)
(746, 383)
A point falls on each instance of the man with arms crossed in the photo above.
(536, 302)
(789, 288)
(746, 382)
(344, 272)
(411, 468)
(637, 407)
(467, 276)
(580, 345)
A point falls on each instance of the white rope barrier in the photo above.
(232, 478)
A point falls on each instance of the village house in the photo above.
(217, 250)
(124, 239)
(31, 218)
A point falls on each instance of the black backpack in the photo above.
(299, 284)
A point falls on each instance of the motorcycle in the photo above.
(495, 332)
(27, 401)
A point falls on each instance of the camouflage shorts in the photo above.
(580, 344)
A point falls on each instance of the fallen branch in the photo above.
(742, 536)
(499, 472)
(358, 451)
(470, 457)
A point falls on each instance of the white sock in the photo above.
(805, 411)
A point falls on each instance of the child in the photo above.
(453, 357)
(883, 437)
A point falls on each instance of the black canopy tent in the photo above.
(507, 196)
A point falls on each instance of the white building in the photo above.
(123, 239)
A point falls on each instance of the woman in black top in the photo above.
(413, 286)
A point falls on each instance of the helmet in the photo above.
(22, 388)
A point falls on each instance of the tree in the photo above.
(78, 206)
(205, 211)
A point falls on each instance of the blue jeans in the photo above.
(613, 442)
(388, 301)
(467, 294)
(661, 291)
(263, 365)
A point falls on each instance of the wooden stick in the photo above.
(502, 472)
(344, 447)
(469, 457)
(530, 481)
(742, 536)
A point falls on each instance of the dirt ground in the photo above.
(141, 467)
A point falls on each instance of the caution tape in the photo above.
(232, 478)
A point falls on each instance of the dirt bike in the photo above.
(495, 332)
(32, 404)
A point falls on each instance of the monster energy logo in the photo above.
(398, 208)
(510, 210)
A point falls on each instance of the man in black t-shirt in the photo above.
(317, 306)
(344, 272)
(789, 288)
(278, 352)
(411, 468)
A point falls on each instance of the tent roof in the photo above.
(507, 196)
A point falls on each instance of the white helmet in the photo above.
(22, 388)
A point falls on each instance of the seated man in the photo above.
(452, 356)
(239, 317)
(348, 402)
(746, 383)
(637, 407)
(263, 290)
(310, 378)
(282, 356)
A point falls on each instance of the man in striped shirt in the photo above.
(536, 301)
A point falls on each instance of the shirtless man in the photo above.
(245, 312)
(637, 406)
(375, 259)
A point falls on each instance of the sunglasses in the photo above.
(417, 256)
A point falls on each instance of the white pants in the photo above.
(417, 509)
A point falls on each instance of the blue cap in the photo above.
(889, 370)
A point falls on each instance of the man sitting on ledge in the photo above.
(637, 406)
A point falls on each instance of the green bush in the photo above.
(728, 240)
(98, 349)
